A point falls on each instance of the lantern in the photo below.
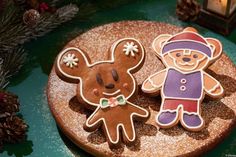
(219, 15)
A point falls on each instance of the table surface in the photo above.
(44, 137)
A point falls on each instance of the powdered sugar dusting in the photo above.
(219, 115)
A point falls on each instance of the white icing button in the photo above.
(182, 88)
(183, 81)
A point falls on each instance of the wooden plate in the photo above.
(219, 115)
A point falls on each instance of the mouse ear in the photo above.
(128, 53)
(71, 64)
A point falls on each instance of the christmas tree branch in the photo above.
(10, 63)
(50, 21)
(13, 33)
(3, 75)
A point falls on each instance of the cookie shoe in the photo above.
(192, 121)
(166, 119)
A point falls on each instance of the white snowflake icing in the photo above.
(130, 48)
(70, 60)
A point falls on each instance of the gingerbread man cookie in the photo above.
(107, 87)
(184, 83)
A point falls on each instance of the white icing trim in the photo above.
(152, 83)
(218, 85)
(187, 52)
(183, 81)
(172, 122)
(214, 88)
(193, 70)
(119, 124)
(177, 98)
(192, 99)
(191, 113)
(100, 62)
(111, 94)
(160, 43)
(182, 88)
(213, 48)
(185, 63)
(177, 110)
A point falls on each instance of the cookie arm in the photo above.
(212, 87)
(154, 82)
(137, 111)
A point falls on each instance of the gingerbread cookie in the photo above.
(184, 83)
(108, 87)
(219, 115)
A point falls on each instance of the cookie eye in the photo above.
(195, 56)
(178, 54)
(115, 74)
(99, 79)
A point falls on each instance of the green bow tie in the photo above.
(113, 101)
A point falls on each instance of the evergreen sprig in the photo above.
(14, 33)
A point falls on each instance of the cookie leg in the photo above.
(128, 132)
(112, 134)
(191, 118)
(168, 115)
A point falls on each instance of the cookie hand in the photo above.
(153, 84)
(212, 86)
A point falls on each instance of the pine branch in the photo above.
(10, 16)
(3, 76)
(14, 35)
(21, 3)
(13, 61)
(10, 64)
(50, 21)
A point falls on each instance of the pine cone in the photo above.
(9, 104)
(187, 10)
(13, 129)
(31, 17)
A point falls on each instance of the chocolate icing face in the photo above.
(105, 78)
(108, 86)
(107, 81)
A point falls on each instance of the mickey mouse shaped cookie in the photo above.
(184, 83)
(107, 87)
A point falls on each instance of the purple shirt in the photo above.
(179, 85)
